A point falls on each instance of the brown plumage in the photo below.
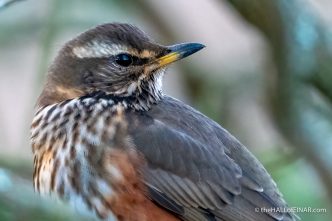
(108, 141)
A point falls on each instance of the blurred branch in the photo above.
(20, 167)
(301, 60)
(7, 3)
(322, 80)
(18, 201)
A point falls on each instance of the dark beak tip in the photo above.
(192, 48)
(199, 46)
(196, 47)
(186, 47)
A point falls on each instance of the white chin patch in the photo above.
(159, 79)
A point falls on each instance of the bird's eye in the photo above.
(124, 59)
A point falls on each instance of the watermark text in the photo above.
(307, 209)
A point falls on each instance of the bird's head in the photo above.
(116, 59)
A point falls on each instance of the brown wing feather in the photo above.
(202, 168)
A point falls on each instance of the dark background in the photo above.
(265, 75)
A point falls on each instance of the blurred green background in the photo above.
(266, 76)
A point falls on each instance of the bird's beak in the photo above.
(177, 52)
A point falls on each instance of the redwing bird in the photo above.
(106, 139)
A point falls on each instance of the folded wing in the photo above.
(197, 170)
